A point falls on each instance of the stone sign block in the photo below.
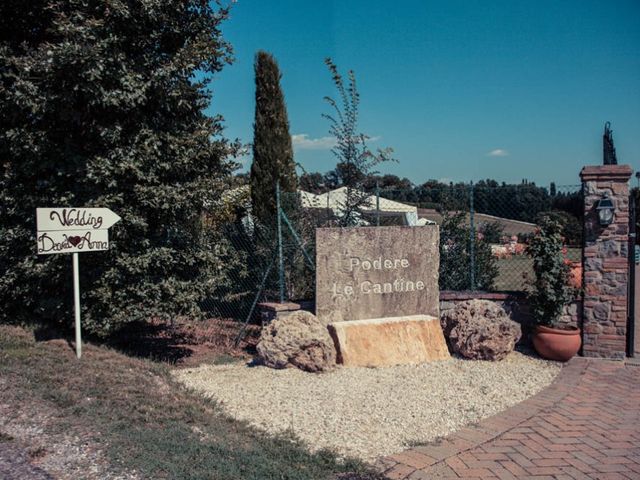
(367, 272)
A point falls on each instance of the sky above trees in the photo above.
(461, 90)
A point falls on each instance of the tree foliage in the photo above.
(102, 105)
(492, 232)
(455, 256)
(312, 182)
(355, 161)
(524, 201)
(571, 227)
(550, 290)
(272, 149)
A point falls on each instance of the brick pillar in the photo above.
(606, 271)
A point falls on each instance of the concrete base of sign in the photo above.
(390, 341)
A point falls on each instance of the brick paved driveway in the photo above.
(586, 425)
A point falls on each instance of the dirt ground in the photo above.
(186, 343)
(117, 415)
(35, 445)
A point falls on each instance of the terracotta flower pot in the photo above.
(556, 343)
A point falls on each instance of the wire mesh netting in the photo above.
(484, 230)
(248, 268)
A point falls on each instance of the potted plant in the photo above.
(550, 292)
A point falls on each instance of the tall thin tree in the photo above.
(355, 161)
(272, 147)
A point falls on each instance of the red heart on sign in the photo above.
(74, 240)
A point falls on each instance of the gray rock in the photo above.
(299, 340)
(480, 330)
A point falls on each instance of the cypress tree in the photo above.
(272, 148)
(102, 105)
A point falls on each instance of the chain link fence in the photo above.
(484, 230)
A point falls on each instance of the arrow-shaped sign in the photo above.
(74, 230)
(56, 219)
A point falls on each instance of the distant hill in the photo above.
(510, 227)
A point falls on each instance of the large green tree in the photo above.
(102, 104)
(272, 148)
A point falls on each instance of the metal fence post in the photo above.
(631, 300)
(280, 255)
(377, 204)
(472, 241)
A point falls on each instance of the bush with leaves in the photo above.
(571, 226)
(455, 256)
(550, 291)
(492, 232)
(102, 104)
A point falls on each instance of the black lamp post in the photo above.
(605, 210)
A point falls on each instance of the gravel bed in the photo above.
(371, 412)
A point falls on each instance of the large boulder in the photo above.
(480, 330)
(299, 340)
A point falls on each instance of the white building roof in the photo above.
(336, 199)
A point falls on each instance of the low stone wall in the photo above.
(268, 311)
(515, 304)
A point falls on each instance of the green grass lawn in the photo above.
(511, 271)
(146, 422)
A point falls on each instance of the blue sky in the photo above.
(461, 90)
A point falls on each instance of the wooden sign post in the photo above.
(74, 230)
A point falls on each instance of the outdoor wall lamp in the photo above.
(605, 210)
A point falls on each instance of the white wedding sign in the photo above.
(74, 230)
(70, 230)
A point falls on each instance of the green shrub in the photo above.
(102, 105)
(455, 256)
(492, 232)
(550, 290)
(570, 225)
